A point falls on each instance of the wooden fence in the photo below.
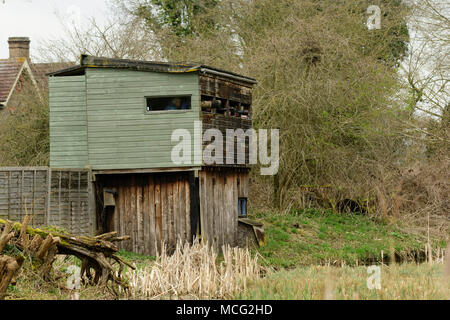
(55, 197)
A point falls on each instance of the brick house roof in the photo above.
(9, 70)
(41, 69)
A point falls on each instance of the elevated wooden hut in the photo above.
(117, 118)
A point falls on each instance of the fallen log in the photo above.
(97, 254)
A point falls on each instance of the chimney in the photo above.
(19, 47)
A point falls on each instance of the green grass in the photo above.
(138, 259)
(322, 237)
(406, 281)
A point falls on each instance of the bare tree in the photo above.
(427, 74)
(427, 67)
(117, 37)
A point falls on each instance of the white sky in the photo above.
(40, 19)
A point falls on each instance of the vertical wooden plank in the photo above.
(182, 211)
(235, 203)
(92, 207)
(226, 209)
(133, 213)
(187, 214)
(123, 213)
(122, 221)
(177, 210)
(171, 232)
(139, 216)
(207, 206)
(173, 189)
(128, 225)
(121, 198)
(201, 187)
(212, 209)
(146, 215)
(216, 219)
(130, 209)
(208, 195)
(164, 210)
(117, 211)
(231, 206)
(203, 207)
(136, 219)
(152, 215)
(159, 234)
(218, 205)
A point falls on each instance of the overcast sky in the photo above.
(40, 19)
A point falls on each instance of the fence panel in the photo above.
(57, 197)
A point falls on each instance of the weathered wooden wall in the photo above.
(220, 189)
(56, 197)
(121, 133)
(222, 123)
(225, 88)
(151, 208)
(68, 122)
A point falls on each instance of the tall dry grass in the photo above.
(404, 282)
(195, 272)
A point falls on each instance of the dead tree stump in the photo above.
(96, 253)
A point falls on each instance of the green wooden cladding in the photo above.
(100, 120)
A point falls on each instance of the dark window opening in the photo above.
(242, 207)
(168, 103)
(226, 107)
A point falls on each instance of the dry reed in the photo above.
(195, 272)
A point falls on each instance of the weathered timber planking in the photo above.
(222, 123)
(158, 215)
(151, 208)
(219, 193)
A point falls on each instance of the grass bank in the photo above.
(314, 237)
